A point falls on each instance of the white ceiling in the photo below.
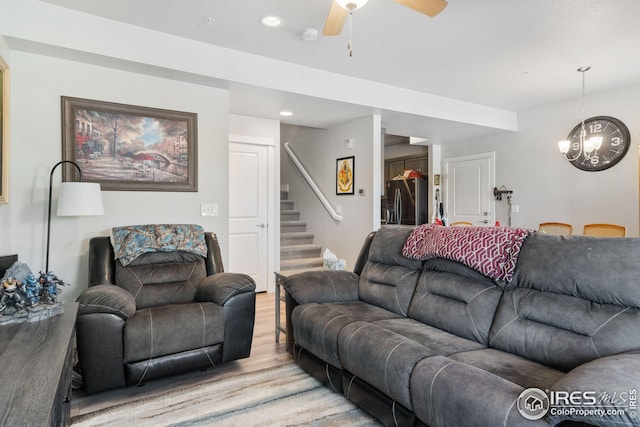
(507, 54)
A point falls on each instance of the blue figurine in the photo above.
(32, 288)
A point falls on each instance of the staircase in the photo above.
(297, 250)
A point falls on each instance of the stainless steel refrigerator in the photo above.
(406, 201)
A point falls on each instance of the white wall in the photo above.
(36, 87)
(545, 185)
(318, 150)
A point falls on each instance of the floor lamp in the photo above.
(74, 199)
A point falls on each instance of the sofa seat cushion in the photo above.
(614, 380)
(447, 393)
(518, 370)
(383, 353)
(316, 326)
(437, 341)
(160, 331)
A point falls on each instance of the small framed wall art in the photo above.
(345, 168)
(125, 147)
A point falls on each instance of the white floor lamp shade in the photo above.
(79, 198)
(74, 199)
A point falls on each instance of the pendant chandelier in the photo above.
(584, 146)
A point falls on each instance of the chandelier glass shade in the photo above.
(584, 146)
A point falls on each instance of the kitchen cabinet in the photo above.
(395, 167)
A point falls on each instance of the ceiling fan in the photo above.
(340, 9)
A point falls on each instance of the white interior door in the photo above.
(469, 183)
(248, 211)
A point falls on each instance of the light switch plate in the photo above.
(209, 209)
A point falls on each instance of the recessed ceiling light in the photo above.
(272, 21)
(286, 113)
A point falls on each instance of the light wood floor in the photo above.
(265, 353)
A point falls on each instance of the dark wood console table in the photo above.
(35, 374)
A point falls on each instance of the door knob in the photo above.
(261, 225)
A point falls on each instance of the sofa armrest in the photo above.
(323, 286)
(221, 287)
(102, 313)
(613, 381)
(109, 299)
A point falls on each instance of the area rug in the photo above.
(281, 396)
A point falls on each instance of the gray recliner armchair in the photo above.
(164, 313)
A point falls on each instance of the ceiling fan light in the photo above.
(351, 4)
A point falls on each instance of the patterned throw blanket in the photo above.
(493, 251)
(132, 241)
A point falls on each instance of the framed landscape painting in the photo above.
(125, 147)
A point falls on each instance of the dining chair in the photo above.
(605, 230)
(460, 224)
(555, 228)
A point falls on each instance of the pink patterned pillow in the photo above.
(493, 251)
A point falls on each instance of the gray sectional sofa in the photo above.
(436, 343)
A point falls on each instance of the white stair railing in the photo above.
(335, 215)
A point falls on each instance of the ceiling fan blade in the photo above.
(335, 20)
(428, 7)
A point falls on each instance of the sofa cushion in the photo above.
(455, 298)
(381, 358)
(160, 331)
(612, 380)
(316, 326)
(448, 393)
(561, 331)
(161, 278)
(523, 372)
(388, 279)
(437, 341)
(602, 270)
(383, 353)
(564, 313)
